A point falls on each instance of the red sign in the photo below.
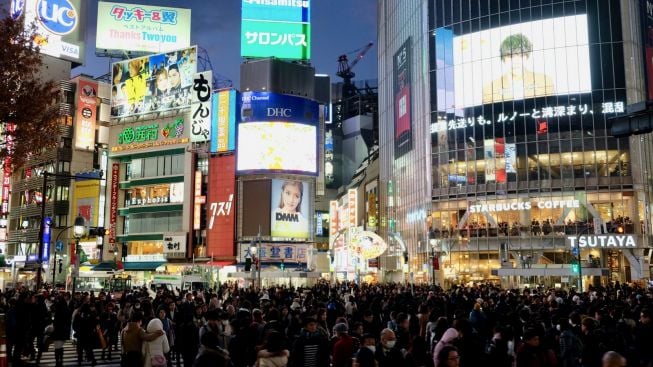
(221, 207)
(6, 179)
(113, 211)
(86, 115)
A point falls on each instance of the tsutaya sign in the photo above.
(523, 205)
(603, 241)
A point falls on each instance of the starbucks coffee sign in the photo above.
(603, 241)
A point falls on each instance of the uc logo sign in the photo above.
(57, 16)
(17, 7)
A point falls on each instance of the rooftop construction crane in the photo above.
(345, 70)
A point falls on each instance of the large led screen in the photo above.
(289, 209)
(532, 59)
(277, 146)
(141, 28)
(153, 83)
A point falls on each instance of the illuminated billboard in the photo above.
(289, 204)
(520, 61)
(277, 133)
(141, 28)
(223, 121)
(154, 83)
(221, 207)
(401, 70)
(279, 29)
(277, 146)
(59, 26)
(85, 117)
(86, 197)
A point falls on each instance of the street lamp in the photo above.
(79, 228)
(79, 221)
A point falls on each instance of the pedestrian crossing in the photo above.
(70, 357)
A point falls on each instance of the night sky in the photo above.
(338, 26)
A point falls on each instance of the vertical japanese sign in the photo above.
(352, 205)
(113, 212)
(223, 124)
(86, 116)
(490, 164)
(220, 215)
(201, 107)
(333, 217)
(6, 179)
(199, 201)
(402, 99)
(45, 256)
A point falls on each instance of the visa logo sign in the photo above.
(280, 112)
(57, 16)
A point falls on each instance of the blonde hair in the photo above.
(301, 194)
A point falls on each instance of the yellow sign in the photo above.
(149, 144)
(85, 200)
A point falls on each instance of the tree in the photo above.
(26, 100)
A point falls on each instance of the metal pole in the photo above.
(54, 268)
(76, 270)
(41, 232)
(580, 263)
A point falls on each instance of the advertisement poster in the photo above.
(267, 106)
(521, 61)
(490, 164)
(141, 28)
(60, 26)
(201, 109)
(154, 83)
(402, 100)
(511, 158)
(221, 207)
(279, 29)
(273, 147)
(289, 203)
(499, 160)
(86, 114)
(86, 196)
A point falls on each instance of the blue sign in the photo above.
(59, 246)
(575, 251)
(57, 16)
(45, 256)
(277, 10)
(266, 106)
(16, 9)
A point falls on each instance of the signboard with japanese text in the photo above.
(170, 131)
(174, 244)
(86, 117)
(275, 252)
(221, 207)
(352, 207)
(60, 26)
(402, 81)
(6, 169)
(200, 128)
(290, 205)
(155, 83)
(141, 28)
(279, 29)
(223, 121)
(113, 203)
(199, 200)
(47, 231)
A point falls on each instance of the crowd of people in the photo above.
(339, 325)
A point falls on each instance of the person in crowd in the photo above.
(365, 357)
(273, 353)
(344, 348)
(132, 338)
(158, 348)
(613, 359)
(61, 328)
(85, 325)
(210, 353)
(448, 357)
(311, 348)
(387, 354)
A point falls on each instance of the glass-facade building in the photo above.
(522, 94)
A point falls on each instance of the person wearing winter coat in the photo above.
(273, 353)
(132, 339)
(210, 354)
(448, 338)
(156, 348)
(61, 328)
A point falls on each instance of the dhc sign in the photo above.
(603, 241)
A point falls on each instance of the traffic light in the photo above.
(575, 268)
(248, 264)
(283, 265)
(60, 266)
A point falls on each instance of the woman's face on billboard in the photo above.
(291, 198)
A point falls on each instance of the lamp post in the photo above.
(578, 258)
(79, 219)
(78, 228)
(432, 242)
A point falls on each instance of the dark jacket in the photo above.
(62, 321)
(210, 357)
(310, 349)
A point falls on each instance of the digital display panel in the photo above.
(277, 146)
(289, 209)
(154, 83)
(527, 60)
(141, 28)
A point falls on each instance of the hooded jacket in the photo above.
(447, 339)
(156, 347)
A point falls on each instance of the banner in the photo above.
(221, 207)
(113, 204)
(275, 252)
(201, 107)
(490, 164)
(85, 200)
(223, 121)
(511, 158)
(289, 214)
(499, 159)
(86, 117)
(402, 99)
(6, 178)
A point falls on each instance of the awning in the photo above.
(105, 266)
(142, 265)
(221, 263)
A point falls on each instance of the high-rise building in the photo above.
(496, 157)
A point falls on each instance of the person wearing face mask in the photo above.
(365, 355)
(387, 354)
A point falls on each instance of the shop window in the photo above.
(136, 169)
(177, 164)
(150, 167)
